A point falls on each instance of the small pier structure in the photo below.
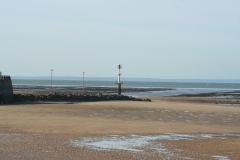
(119, 83)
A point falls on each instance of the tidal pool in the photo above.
(142, 143)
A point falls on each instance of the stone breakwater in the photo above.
(59, 97)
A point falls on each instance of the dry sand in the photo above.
(45, 131)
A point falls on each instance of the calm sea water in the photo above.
(179, 87)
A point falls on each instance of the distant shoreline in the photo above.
(126, 79)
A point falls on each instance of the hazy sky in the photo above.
(197, 39)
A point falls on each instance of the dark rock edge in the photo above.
(76, 97)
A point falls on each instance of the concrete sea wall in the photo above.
(6, 89)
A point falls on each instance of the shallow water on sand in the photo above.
(143, 144)
(61, 147)
(132, 142)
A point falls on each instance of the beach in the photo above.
(119, 80)
(161, 129)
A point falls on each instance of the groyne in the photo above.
(61, 97)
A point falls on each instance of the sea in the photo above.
(178, 86)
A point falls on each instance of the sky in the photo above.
(178, 39)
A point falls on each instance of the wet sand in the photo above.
(207, 100)
(49, 131)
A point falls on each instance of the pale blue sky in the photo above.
(197, 39)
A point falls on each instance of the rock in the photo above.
(72, 97)
(147, 100)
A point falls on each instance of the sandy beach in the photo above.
(119, 80)
(165, 129)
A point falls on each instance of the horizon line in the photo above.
(127, 79)
(124, 78)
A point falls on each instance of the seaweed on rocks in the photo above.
(77, 97)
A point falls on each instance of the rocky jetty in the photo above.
(61, 97)
(75, 90)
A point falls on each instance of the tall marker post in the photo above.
(119, 83)
(51, 80)
(83, 83)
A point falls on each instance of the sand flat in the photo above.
(116, 117)
(57, 124)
